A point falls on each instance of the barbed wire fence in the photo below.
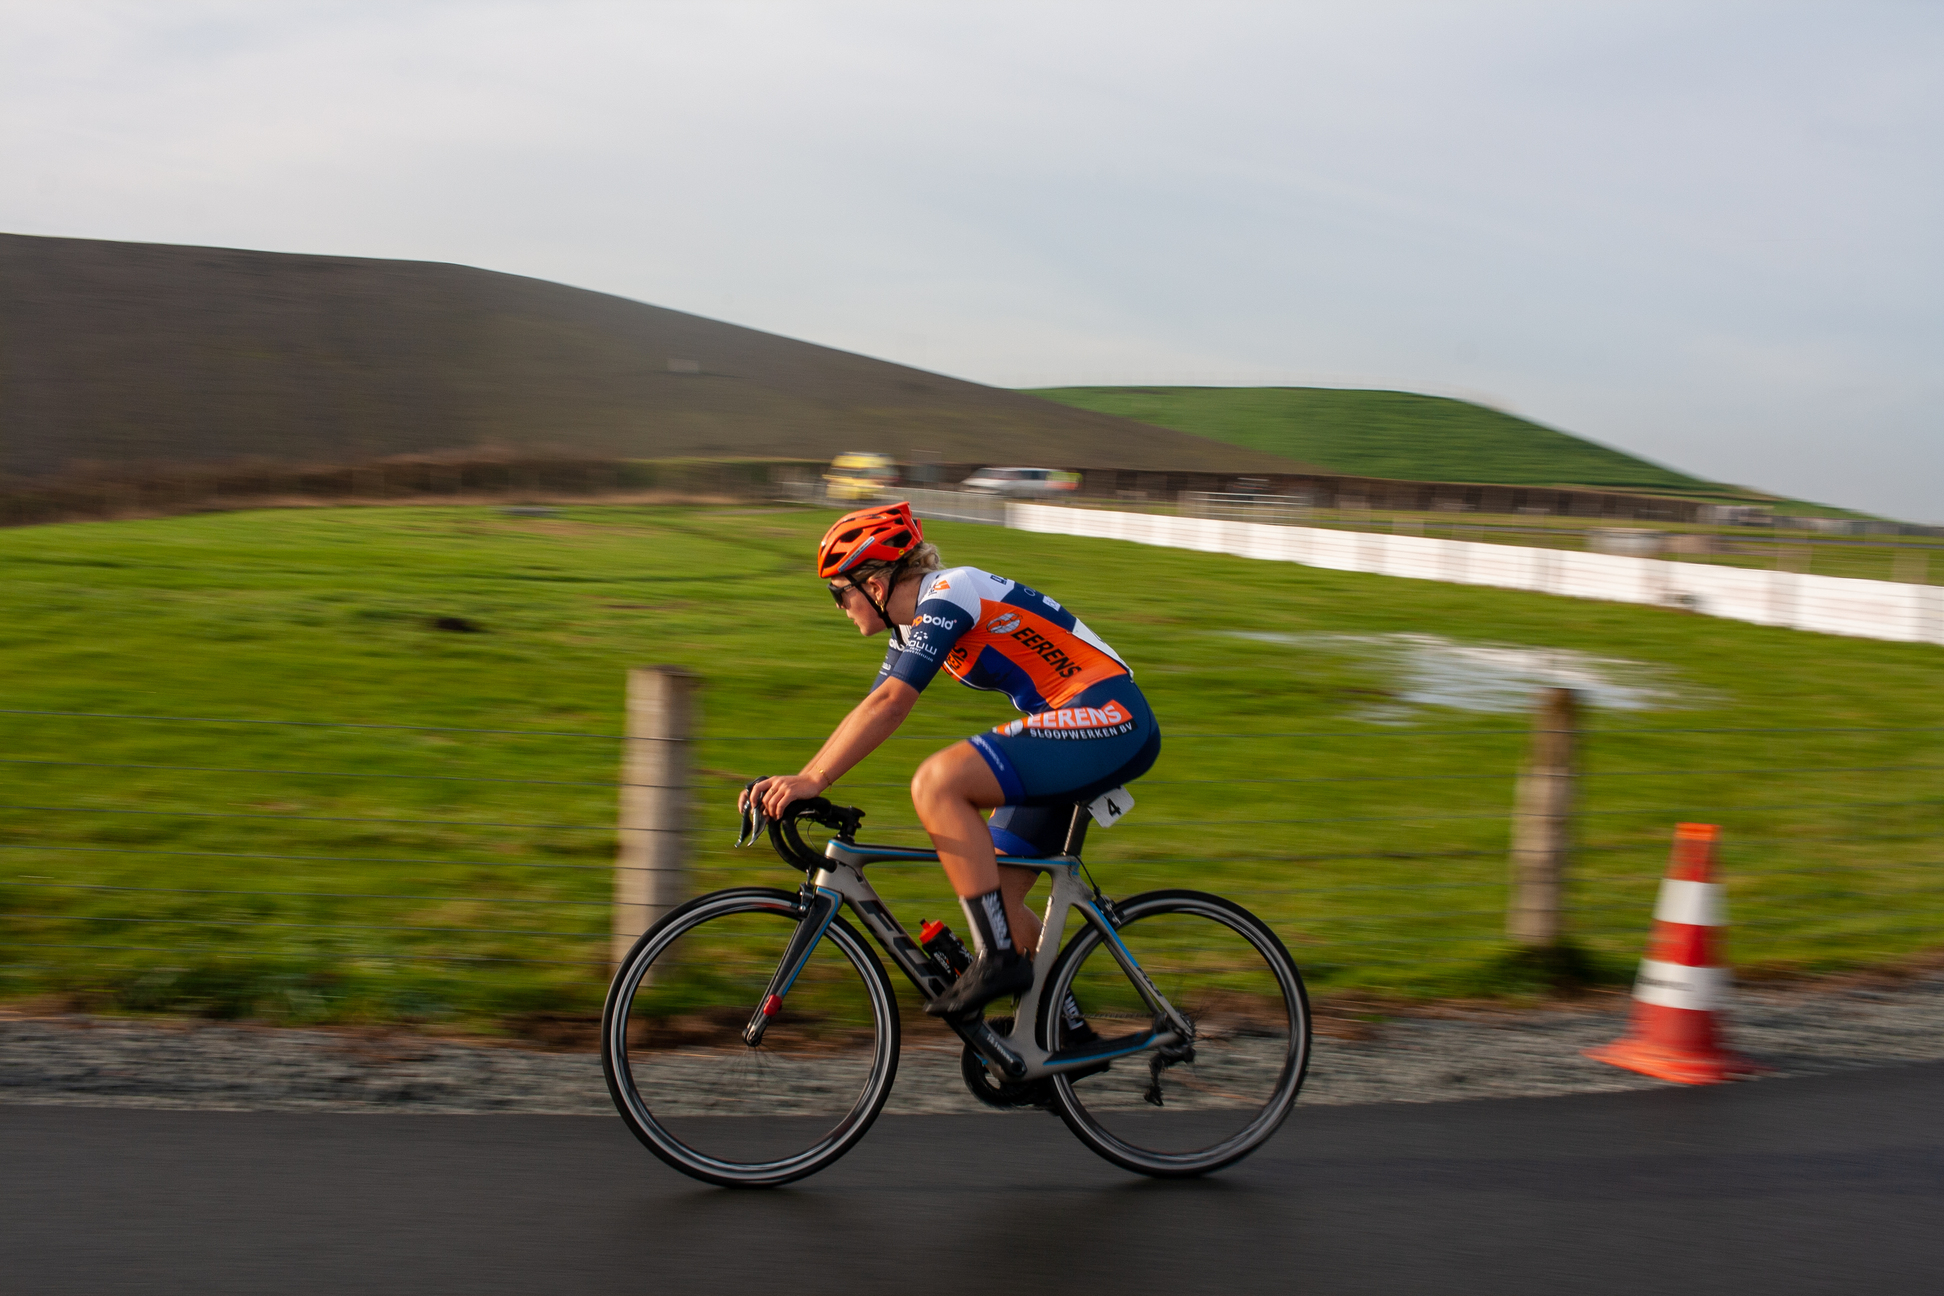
(323, 870)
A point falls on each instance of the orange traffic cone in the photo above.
(1680, 988)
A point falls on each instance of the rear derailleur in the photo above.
(1162, 1059)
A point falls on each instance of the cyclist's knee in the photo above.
(931, 780)
(944, 776)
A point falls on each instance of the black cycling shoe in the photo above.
(991, 976)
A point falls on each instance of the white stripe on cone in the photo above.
(1698, 904)
(1675, 985)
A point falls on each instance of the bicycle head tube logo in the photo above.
(1003, 624)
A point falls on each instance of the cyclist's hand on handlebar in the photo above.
(774, 795)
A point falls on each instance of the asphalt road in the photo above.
(1818, 1185)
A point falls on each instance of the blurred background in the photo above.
(382, 382)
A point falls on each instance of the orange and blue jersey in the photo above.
(995, 634)
(1087, 728)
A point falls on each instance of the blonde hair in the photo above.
(923, 559)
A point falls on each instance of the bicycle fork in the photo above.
(817, 916)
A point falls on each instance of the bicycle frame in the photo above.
(1018, 1055)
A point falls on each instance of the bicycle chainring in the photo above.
(994, 1092)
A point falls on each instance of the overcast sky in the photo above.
(1708, 234)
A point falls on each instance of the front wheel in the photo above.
(1182, 1111)
(707, 1103)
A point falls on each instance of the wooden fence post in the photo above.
(1542, 822)
(651, 865)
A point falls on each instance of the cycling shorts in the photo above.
(1105, 737)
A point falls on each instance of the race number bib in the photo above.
(1108, 807)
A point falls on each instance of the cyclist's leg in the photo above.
(949, 786)
(950, 791)
(1014, 883)
(1057, 758)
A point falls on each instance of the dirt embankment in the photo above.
(120, 353)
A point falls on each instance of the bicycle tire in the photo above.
(714, 1108)
(1253, 1035)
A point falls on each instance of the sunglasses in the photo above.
(838, 593)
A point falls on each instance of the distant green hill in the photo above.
(1385, 434)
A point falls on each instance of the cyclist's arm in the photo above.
(904, 675)
(869, 723)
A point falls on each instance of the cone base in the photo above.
(1682, 1066)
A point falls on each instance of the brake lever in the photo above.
(750, 819)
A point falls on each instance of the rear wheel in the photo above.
(714, 1107)
(1185, 1111)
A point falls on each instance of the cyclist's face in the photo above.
(857, 607)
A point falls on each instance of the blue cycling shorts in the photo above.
(1105, 737)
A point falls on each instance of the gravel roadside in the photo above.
(104, 1062)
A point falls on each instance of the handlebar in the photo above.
(783, 835)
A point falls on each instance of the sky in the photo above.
(1705, 233)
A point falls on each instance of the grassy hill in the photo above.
(1384, 434)
(131, 354)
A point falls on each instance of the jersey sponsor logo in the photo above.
(1003, 624)
(1076, 722)
(1049, 652)
(941, 584)
(926, 618)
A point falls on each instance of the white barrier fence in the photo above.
(1841, 605)
(954, 506)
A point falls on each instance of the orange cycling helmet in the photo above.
(885, 534)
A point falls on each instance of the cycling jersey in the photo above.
(995, 634)
(1087, 727)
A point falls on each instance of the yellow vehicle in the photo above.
(859, 476)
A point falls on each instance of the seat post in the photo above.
(1076, 831)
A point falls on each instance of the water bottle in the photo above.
(944, 949)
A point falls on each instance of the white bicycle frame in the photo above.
(1017, 1055)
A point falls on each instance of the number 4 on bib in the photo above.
(1108, 807)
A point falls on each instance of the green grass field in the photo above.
(1384, 434)
(333, 873)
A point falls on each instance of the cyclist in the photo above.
(1087, 728)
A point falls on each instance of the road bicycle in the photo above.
(751, 1036)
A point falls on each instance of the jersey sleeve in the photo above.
(940, 623)
(890, 662)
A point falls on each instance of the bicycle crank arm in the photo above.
(817, 917)
(993, 1049)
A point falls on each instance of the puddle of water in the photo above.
(1434, 671)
